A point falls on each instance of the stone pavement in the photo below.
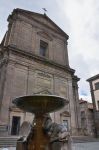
(85, 146)
(75, 146)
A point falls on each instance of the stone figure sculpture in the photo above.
(56, 132)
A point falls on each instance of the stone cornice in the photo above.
(75, 78)
(41, 59)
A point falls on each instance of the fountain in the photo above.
(39, 105)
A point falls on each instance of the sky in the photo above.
(80, 20)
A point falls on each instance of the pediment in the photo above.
(15, 109)
(65, 113)
(46, 21)
(45, 35)
(41, 19)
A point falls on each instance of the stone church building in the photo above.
(34, 59)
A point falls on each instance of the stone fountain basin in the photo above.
(40, 103)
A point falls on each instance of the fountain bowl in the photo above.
(40, 103)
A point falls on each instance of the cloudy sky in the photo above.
(80, 20)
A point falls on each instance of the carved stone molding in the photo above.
(45, 35)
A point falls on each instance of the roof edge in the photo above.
(93, 78)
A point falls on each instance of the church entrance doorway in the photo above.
(15, 125)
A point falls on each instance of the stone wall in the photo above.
(26, 35)
(27, 72)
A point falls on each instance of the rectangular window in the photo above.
(83, 114)
(83, 122)
(15, 125)
(97, 86)
(43, 48)
(83, 119)
(65, 123)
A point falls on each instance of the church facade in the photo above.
(34, 59)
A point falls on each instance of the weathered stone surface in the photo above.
(27, 72)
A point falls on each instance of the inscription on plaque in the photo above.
(44, 80)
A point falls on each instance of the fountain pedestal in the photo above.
(39, 105)
(39, 140)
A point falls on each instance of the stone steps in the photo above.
(8, 141)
